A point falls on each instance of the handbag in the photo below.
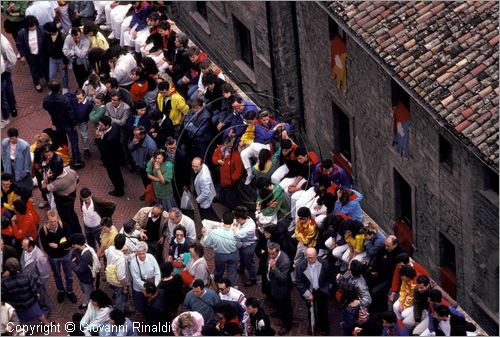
(148, 279)
(187, 278)
(186, 201)
(149, 195)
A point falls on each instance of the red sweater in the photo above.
(232, 170)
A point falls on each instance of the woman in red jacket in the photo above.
(227, 158)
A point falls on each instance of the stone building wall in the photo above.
(455, 203)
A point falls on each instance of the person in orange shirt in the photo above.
(306, 232)
(396, 278)
(403, 307)
(24, 222)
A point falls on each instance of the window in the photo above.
(446, 253)
(335, 30)
(245, 42)
(491, 180)
(201, 7)
(445, 153)
(401, 119)
(403, 205)
(342, 132)
(338, 54)
(447, 262)
(398, 95)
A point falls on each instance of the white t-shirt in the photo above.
(33, 42)
(90, 217)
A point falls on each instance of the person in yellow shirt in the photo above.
(306, 232)
(172, 104)
(97, 40)
(107, 235)
(403, 307)
(354, 236)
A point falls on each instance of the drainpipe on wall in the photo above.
(295, 28)
(271, 55)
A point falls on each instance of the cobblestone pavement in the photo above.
(32, 119)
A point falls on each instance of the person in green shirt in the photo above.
(278, 204)
(98, 110)
(16, 11)
(160, 172)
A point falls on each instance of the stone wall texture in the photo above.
(456, 202)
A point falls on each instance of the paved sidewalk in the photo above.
(32, 119)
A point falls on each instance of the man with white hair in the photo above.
(34, 262)
(204, 190)
(313, 280)
(175, 218)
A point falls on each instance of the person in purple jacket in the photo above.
(137, 25)
(82, 106)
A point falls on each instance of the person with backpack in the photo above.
(117, 273)
(85, 264)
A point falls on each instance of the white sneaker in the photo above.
(111, 36)
(5, 122)
(105, 27)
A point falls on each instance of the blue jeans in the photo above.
(93, 234)
(192, 89)
(246, 258)
(8, 97)
(121, 298)
(140, 301)
(83, 130)
(86, 288)
(55, 265)
(228, 262)
(44, 299)
(54, 67)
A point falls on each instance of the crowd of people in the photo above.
(153, 103)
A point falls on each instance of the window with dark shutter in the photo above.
(244, 42)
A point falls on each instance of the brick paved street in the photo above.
(32, 119)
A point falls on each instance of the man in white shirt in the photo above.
(93, 210)
(245, 233)
(229, 293)
(44, 11)
(117, 273)
(120, 68)
(177, 218)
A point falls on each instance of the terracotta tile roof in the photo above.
(447, 52)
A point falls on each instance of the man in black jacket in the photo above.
(313, 281)
(154, 311)
(277, 284)
(108, 143)
(61, 113)
(381, 269)
(54, 237)
(82, 263)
